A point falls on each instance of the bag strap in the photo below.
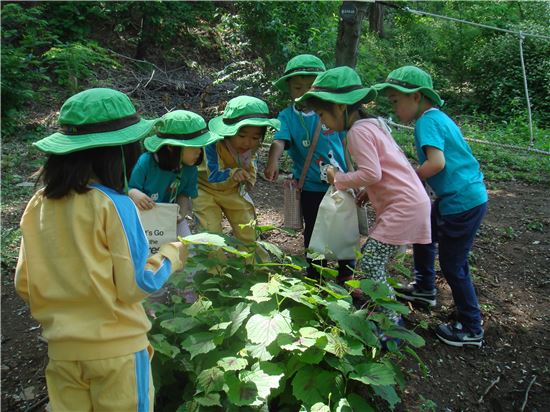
(309, 155)
(348, 157)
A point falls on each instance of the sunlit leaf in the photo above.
(231, 363)
(179, 325)
(197, 343)
(210, 380)
(264, 329)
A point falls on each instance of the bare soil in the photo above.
(511, 260)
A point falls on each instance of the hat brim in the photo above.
(219, 127)
(154, 143)
(282, 83)
(366, 95)
(429, 93)
(59, 143)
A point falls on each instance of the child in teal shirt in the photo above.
(452, 171)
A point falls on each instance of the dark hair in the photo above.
(62, 174)
(315, 103)
(169, 157)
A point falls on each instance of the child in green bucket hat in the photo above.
(167, 172)
(298, 127)
(228, 170)
(383, 174)
(83, 264)
(452, 171)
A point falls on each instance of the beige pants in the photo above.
(208, 208)
(121, 384)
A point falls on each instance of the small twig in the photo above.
(527, 393)
(495, 252)
(150, 78)
(37, 404)
(493, 383)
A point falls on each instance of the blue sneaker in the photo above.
(454, 334)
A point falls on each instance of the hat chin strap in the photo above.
(124, 171)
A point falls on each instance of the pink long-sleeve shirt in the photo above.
(395, 191)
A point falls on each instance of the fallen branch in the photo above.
(527, 393)
(493, 383)
(38, 403)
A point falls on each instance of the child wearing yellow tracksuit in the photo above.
(228, 170)
(83, 266)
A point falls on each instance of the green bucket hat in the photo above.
(341, 85)
(180, 128)
(411, 79)
(301, 65)
(242, 111)
(95, 118)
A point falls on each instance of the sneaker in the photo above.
(413, 293)
(454, 334)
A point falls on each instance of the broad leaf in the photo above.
(238, 316)
(232, 364)
(388, 394)
(197, 343)
(343, 406)
(220, 326)
(263, 381)
(407, 335)
(312, 384)
(373, 374)
(319, 407)
(160, 345)
(375, 289)
(359, 404)
(210, 380)
(264, 329)
(200, 306)
(239, 392)
(210, 399)
(179, 325)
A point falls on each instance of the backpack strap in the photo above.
(309, 155)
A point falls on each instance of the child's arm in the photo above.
(434, 163)
(271, 171)
(142, 201)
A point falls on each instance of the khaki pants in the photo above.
(121, 384)
(208, 208)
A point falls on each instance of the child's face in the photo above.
(299, 85)
(404, 105)
(247, 138)
(332, 119)
(190, 155)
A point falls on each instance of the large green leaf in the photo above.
(264, 329)
(210, 380)
(232, 363)
(312, 384)
(319, 407)
(359, 404)
(373, 374)
(343, 406)
(407, 335)
(240, 392)
(353, 324)
(202, 342)
(312, 355)
(238, 316)
(387, 393)
(160, 345)
(210, 399)
(264, 382)
(259, 351)
(375, 289)
(198, 307)
(179, 325)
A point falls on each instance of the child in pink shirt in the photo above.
(383, 174)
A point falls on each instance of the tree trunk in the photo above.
(145, 36)
(349, 32)
(376, 19)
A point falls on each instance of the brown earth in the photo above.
(511, 260)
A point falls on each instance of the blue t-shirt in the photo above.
(459, 186)
(297, 130)
(155, 182)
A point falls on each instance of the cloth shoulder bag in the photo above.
(336, 230)
(291, 190)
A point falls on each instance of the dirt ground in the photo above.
(511, 260)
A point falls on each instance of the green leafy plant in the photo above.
(260, 336)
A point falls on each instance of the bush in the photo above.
(259, 336)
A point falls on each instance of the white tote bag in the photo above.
(336, 230)
(160, 224)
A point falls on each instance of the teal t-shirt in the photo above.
(155, 182)
(459, 186)
(297, 129)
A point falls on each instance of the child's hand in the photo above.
(331, 171)
(362, 198)
(142, 201)
(271, 171)
(182, 249)
(241, 175)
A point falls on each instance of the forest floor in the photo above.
(510, 372)
(510, 266)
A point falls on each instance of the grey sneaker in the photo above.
(413, 293)
(454, 334)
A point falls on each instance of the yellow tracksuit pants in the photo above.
(121, 384)
(208, 206)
